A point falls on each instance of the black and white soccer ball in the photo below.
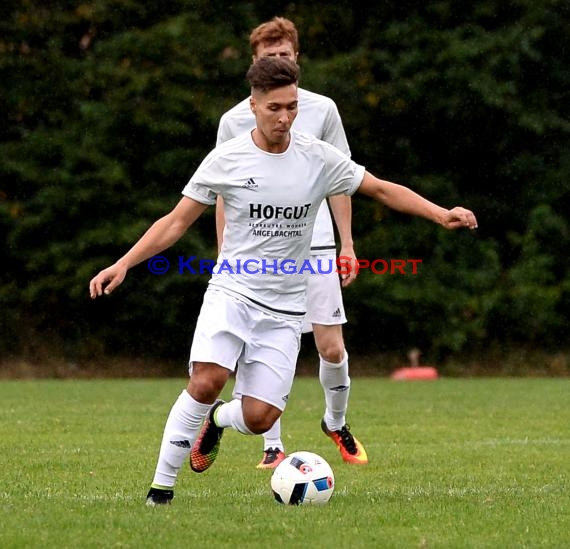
(303, 478)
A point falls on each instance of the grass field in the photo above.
(453, 463)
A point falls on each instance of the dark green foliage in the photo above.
(107, 107)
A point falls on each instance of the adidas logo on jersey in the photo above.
(250, 184)
(337, 313)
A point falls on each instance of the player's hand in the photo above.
(459, 217)
(107, 280)
(349, 264)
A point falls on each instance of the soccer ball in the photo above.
(303, 478)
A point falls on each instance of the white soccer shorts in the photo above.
(229, 332)
(324, 294)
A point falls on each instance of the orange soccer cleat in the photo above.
(272, 457)
(350, 448)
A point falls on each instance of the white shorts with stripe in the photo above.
(230, 331)
(324, 295)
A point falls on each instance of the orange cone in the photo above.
(415, 371)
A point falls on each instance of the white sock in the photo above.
(180, 432)
(272, 438)
(230, 414)
(336, 386)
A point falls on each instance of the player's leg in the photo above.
(182, 426)
(263, 380)
(215, 349)
(273, 448)
(335, 381)
(325, 313)
(325, 310)
(333, 373)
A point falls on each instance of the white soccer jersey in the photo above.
(270, 203)
(318, 116)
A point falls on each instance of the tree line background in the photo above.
(108, 106)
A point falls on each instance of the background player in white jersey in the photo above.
(318, 116)
(273, 181)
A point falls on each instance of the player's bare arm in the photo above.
(341, 207)
(405, 200)
(161, 235)
(220, 221)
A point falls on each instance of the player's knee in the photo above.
(333, 352)
(258, 426)
(206, 382)
(259, 417)
(330, 343)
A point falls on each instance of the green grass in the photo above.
(453, 463)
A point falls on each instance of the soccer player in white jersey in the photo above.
(318, 116)
(273, 181)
